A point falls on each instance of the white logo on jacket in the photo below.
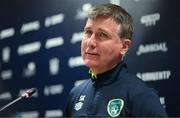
(79, 104)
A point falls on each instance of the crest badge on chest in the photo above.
(114, 107)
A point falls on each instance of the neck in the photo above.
(100, 71)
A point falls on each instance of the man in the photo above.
(112, 91)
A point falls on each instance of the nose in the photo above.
(92, 42)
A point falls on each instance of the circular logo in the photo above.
(114, 107)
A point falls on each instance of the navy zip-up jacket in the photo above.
(115, 93)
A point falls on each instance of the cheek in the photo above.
(83, 47)
(111, 53)
(108, 51)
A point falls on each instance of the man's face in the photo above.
(101, 45)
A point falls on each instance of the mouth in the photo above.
(93, 54)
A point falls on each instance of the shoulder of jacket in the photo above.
(81, 86)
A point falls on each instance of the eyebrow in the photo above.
(87, 28)
(99, 29)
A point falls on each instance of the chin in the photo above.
(90, 63)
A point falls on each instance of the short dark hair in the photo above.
(117, 13)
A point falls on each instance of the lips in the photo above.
(90, 53)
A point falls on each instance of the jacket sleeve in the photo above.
(67, 109)
(147, 104)
(67, 112)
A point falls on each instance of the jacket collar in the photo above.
(108, 76)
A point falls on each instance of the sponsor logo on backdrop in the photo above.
(155, 76)
(75, 62)
(6, 74)
(31, 26)
(29, 70)
(5, 96)
(53, 89)
(81, 13)
(29, 48)
(150, 19)
(27, 114)
(76, 37)
(54, 20)
(54, 113)
(54, 42)
(6, 54)
(54, 66)
(6, 33)
(149, 48)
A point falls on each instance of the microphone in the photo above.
(29, 93)
(26, 94)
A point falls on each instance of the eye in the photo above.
(103, 35)
(88, 32)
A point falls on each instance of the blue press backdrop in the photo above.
(40, 48)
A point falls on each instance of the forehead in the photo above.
(102, 22)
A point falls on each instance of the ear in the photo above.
(126, 43)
